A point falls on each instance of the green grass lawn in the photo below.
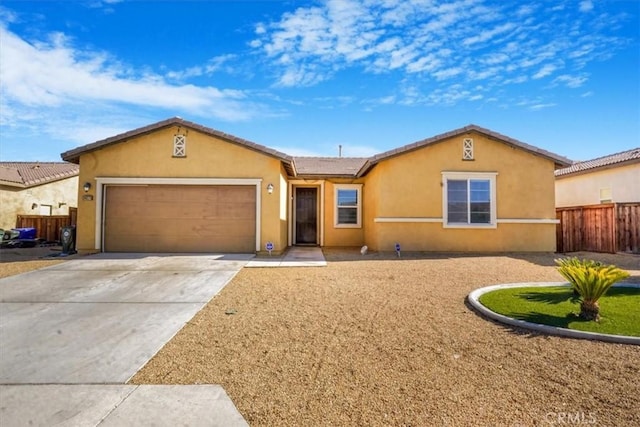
(556, 306)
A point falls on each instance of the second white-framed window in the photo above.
(348, 206)
(469, 199)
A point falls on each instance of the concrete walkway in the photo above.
(73, 334)
(295, 256)
(117, 405)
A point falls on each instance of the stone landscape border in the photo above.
(474, 298)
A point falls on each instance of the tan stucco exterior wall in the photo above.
(150, 156)
(18, 201)
(584, 189)
(410, 186)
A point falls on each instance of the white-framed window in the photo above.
(45, 210)
(605, 195)
(179, 146)
(467, 149)
(348, 206)
(469, 199)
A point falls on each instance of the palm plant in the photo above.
(591, 280)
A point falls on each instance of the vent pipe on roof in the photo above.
(339, 150)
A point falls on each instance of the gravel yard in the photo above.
(377, 340)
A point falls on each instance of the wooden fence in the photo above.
(599, 228)
(48, 226)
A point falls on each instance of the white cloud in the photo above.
(488, 34)
(586, 6)
(447, 73)
(525, 10)
(53, 73)
(546, 70)
(536, 107)
(571, 81)
(7, 15)
(218, 63)
(434, 44)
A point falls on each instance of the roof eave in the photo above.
(73, 156)
(559, 161)
(12, 184)
(325, 176)
(599, 168)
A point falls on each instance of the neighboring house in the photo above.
(176, 186)
(609, 179)
(36, 188)
(598, 204)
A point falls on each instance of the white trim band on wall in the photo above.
(102, 181)
(398, 219)
(439, 220)
(527, 221)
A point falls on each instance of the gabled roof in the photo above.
(558, 160)
(612, 160)
(74, 154)
(348, 167)
(328, 166)
(30, 174)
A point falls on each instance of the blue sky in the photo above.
(306, 76)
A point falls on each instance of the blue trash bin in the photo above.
(26, 233)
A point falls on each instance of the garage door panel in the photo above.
(177, 245)
(119, 194)
(164, 218)
(231, 195)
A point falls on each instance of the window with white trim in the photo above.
(348, 206)
(605, 195)
(179, 146)
(469, 199)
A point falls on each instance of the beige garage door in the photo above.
(180, 218)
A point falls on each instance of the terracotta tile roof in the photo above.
(616, 159)
(29, 174)
(558, 160)
(74, 154)
(328, 166)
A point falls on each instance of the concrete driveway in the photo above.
(98, 320)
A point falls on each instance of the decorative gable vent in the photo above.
(179, 146)
(467, 149)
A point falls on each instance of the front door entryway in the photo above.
(306, 216)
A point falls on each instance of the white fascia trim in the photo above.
(527, 221)
(406, 219)
(178, 181)
(102, 181)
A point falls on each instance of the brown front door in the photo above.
(306, 216)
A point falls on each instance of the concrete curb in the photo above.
(474, 297)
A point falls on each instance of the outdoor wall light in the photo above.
(86, 187)
(34, 205)
(270, 188)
